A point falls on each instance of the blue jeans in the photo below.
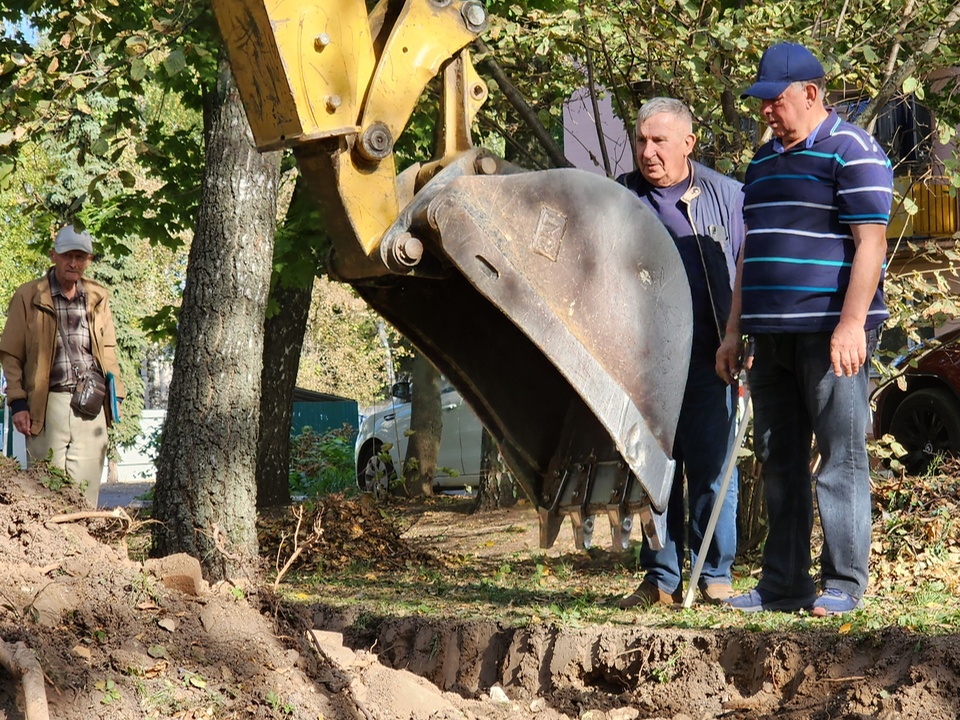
(705, 433)
(796, 396)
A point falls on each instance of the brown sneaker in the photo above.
(715, 594)
(648, 594)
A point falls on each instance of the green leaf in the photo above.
(138, 69)
(7, 168)
(910, 84)
(127, 179)
(135, 45)
(174, 63)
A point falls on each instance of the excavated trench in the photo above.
(643, 672)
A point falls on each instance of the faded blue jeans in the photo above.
(705, 432)
(796, 396)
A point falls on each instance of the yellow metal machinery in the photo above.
(936, 214)
(553, 300)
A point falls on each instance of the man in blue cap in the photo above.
(58, 328)
(809, 291)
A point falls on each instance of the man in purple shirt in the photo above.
(702, 211)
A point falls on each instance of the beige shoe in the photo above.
(715, 594)
(649, 594)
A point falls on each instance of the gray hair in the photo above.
(671, 106)
(820, 83)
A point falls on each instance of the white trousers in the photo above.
(78, 444)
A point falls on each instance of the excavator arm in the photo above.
(554, 300)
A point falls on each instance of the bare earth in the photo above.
(122, 639)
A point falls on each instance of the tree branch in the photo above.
(894, 53)
(527, 113)
(592, 89)
(889, 87)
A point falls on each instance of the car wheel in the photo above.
(378, 476)
(927, 424)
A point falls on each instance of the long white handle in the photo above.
(718, 503)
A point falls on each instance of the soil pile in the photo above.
(118, 638)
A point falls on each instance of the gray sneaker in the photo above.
(835, 602)
(762, 600)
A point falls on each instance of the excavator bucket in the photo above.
(558, 305)
(554, 300)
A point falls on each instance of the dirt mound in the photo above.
(117, 638)
(122, 639)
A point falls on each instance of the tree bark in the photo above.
(282, 342)
(498, 486)
(426, 426)
(205, 494)
(284, 333)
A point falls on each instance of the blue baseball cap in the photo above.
(781, 65)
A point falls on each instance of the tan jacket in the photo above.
(29, 342)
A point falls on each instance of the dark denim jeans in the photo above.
(705, 432)
(796, 396)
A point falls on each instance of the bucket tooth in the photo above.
(550, 523)
(621, 524)
(582, 530)
(654, 526)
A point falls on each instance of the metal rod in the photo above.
(718, 504)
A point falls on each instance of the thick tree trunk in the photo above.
(282, 342)
(498, 486)
(205, 494)
(426, 426)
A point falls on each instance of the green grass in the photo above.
(551, 590)
(914, 583)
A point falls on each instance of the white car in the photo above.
(384, 431)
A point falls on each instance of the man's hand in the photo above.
(848, 348)
(730, 360)
(22, 422)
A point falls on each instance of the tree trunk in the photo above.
(751, 507)
(301, 244)
(498, 486)
(282, 342)
(426, 426)
(205, 494)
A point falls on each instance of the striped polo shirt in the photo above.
(798, 207)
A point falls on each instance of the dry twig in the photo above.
(297, 547)
(115, 514)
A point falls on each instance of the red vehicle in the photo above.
(924, 418)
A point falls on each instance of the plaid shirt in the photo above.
(72, 316)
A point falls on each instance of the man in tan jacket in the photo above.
(41, 374)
